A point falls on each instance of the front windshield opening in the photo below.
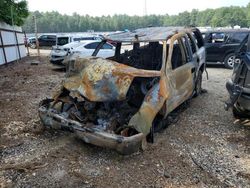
(141, 55)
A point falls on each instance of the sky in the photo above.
(129, 7)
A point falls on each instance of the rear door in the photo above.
(234, 41)
(106, 51)
(51, 40)
(88, 49)
(42, 40)
(47, 40)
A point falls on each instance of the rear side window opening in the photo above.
(141, 55)
(198, 37)
(236, 37)
(181, 53)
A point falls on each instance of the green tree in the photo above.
(10, 10)
(56, 22)
(247, 11)
(193, 17)
(184, 19)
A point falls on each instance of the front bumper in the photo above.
(92, 135)
(56, 58)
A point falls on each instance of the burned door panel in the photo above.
(181, 70)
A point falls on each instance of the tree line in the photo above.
(13, 12)
(56, 22)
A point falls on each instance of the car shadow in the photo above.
(59, 69)
(220, 66)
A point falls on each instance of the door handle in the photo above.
(193, 70)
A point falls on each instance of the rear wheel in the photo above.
(230, 60)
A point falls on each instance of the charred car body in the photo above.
(119, 101)
(239, 85)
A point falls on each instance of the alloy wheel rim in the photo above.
(230, 61)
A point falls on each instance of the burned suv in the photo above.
(120, 101)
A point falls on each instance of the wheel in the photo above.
(239, 113)
(230, 60)
(198, 88)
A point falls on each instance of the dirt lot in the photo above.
(204, 148)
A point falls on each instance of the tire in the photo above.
(238, 113)
(198, 85)
(230, 60)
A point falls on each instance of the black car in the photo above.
(44, 40)
(239, 85)
(221, 44)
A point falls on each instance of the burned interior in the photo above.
(143, 55)
(119, 101)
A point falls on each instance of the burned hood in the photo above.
(99, 79)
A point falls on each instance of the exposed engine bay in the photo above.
(110, 116)
(103, 95)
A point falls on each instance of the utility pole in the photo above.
(37, 42)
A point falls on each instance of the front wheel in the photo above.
(230, 60)
(239, 113)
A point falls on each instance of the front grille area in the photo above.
(55, 56)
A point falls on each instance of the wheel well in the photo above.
(226, 54)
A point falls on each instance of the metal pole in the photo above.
(26, 43)
(16, 43)
(37, 42)
(4, 53)
(18, 49)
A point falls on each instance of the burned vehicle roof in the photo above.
(147, 34)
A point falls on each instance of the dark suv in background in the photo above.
(44, 40)
(221, 45)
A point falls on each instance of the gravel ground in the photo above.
(206, 147)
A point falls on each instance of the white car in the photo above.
(80, 48)
(58, 53)
(65, 39)
(87, 49)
